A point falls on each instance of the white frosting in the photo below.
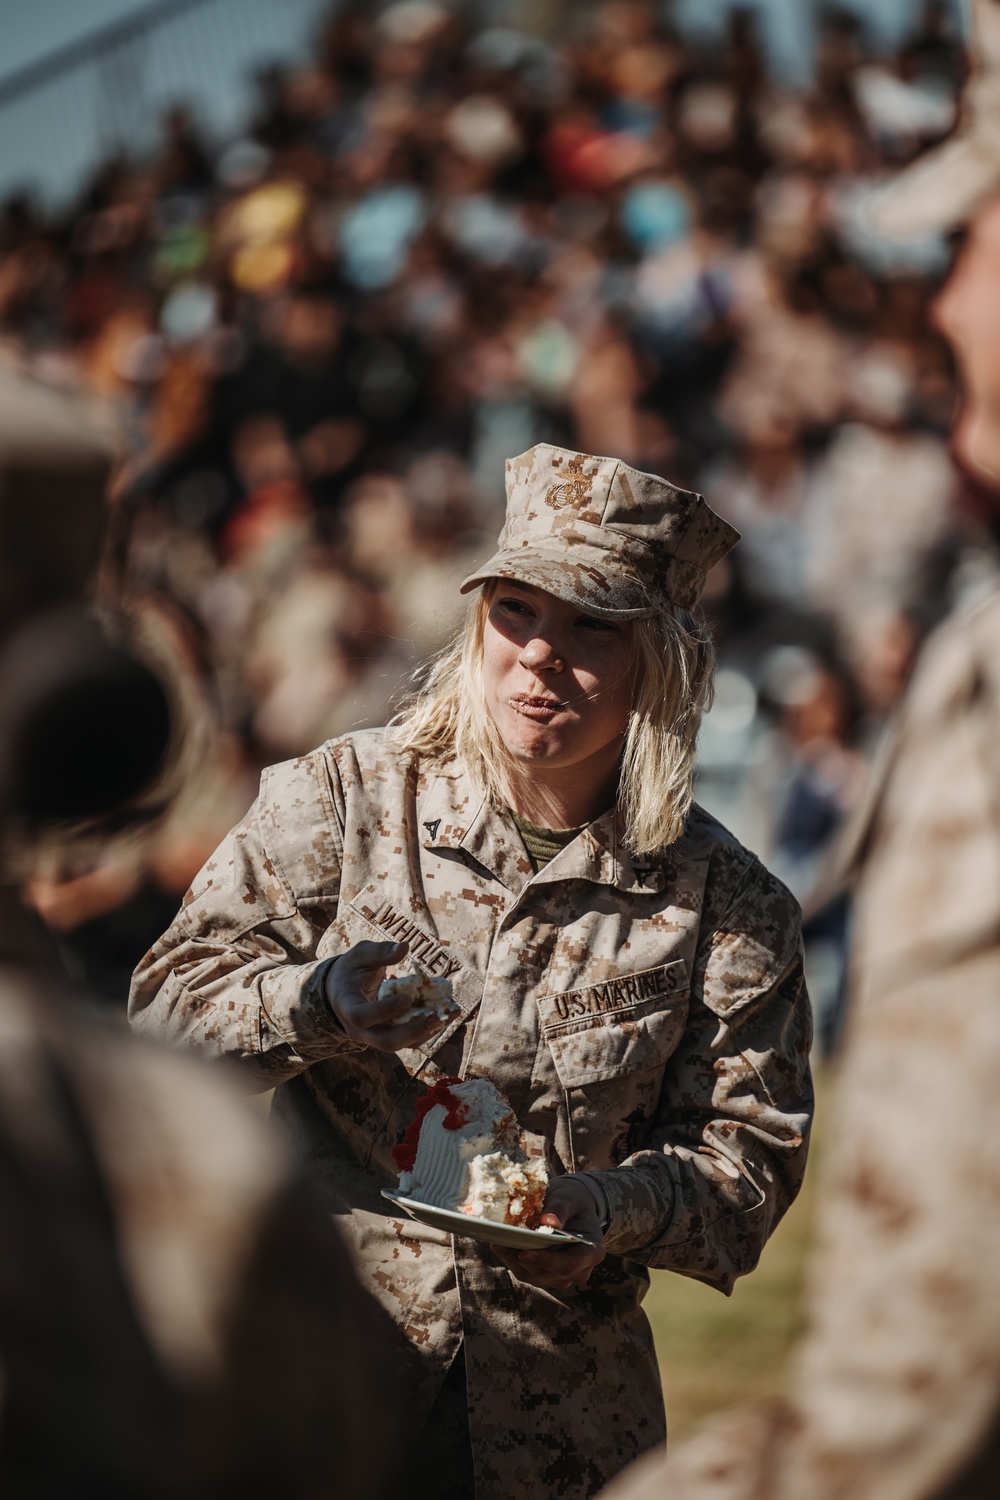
(478, 1168)
(441, 1167)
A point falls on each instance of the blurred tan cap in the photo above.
(946, 187)
(619, 543)
(410, 22)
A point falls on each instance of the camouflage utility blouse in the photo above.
(646, 1018)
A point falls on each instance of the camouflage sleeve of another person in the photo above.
(895, 1391)
(236, 974)
(727, 1149)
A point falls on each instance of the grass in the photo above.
(714, 1350)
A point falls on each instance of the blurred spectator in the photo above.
(167, 1286)
(807, 778)
(815, 775)
(885, 496)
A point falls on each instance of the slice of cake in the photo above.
(427, 996)
(463, 1152)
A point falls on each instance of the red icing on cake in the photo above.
(405, 1154)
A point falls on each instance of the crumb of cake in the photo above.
(428, 996)
(506, 1190)
(463, 1152)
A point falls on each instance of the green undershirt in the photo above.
(543, 844)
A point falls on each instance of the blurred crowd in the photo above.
(438, 245)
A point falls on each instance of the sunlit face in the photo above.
(558, 681)
(968, 313)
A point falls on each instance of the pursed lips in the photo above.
(536, 707)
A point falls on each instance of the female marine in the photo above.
(627, 974)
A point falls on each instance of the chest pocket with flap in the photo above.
(627, 1024)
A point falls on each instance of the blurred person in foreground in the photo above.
(626, 972)
(897, 1384)
(177, 1319)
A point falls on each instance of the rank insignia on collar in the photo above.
(642, 873)
(432, 827)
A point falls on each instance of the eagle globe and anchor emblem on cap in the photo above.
(572, 491)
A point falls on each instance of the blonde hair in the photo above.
(674, 661)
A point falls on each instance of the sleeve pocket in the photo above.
(627, 1024)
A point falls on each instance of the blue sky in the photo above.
(207, 56)
(28, 31)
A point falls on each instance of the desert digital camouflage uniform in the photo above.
(646, 1019)
(897, 1385)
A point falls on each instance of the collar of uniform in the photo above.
(494, 841)
(599, 854)
(455, 816)
(447, 811)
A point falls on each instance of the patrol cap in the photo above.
(943, 189)
(594, 531)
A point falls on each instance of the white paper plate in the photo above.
(513, 1236)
